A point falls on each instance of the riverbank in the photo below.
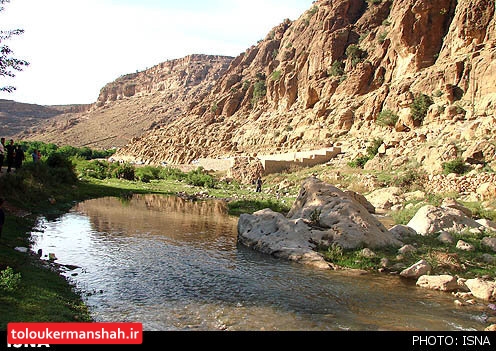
(43, 295)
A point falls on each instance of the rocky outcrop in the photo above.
(329, 74)
(136, 103)
(321, 216)
(272, 233)
(328, 77)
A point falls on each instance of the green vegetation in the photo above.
(371, 151)
(387, 118)
(251, 206)
(9, 281)
(355, 54)
(382, 37)
(276, 75)
(337, 69)
(444, 258)
(420, 106)
(456, 166)
(259, 89)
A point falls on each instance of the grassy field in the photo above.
(30, 291)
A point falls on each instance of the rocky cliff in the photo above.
(418, 75)
(135, 103)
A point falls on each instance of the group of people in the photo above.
(14, 154)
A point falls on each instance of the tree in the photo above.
(8, 63)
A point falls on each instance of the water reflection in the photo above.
(175, 265)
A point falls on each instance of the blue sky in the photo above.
(75, 47)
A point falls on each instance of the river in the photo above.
(175, 265)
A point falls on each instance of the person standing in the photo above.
(35, 156)
(10, 155)
(259, 185)
(2, 152)
(19, 157)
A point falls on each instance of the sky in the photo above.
(75, 47)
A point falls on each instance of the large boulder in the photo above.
(272, 233)
(322, 215)
(431, 219)
(337, 218)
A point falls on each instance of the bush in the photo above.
(420, 106)
(259, 90)
(199, 177)
(124, 171)
(171, 173)
(372, 150)
(356, 54)
(147, 173)
(9, 281)
(337, 69)
(276, 75)
(457, 166)
(359, 162)
(387, 118)
(96, 169)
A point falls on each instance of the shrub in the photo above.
(387, 118)
(356, 54)
(172, 173)
(373, 149)
(420, 106)
(96, 169)
(382, 37)
(125, 171)
(337, 69)
(259, 89)
(359, 162)
(457, 166)
(199, 177)
(9, 281)
(147, 173)
(61, 168)
(276, 75)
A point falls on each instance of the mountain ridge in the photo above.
(331, 77)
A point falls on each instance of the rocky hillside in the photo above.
(415, 76)
(135, 103)
(418, 75)
(16, 117)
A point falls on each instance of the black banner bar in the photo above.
(408, 341)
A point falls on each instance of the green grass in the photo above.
(444, 258)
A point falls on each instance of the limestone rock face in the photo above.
(323, 78)
(321, 215)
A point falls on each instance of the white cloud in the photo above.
(76, 47)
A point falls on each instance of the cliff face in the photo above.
(332, 75)
(135, 103)
(417, 74)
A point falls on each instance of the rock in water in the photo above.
(321, 215)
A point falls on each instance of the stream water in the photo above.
(175, 265)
